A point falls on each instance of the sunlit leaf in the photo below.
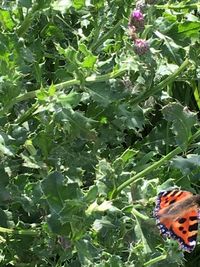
(78, 3)
(62, 5)
(6, 21)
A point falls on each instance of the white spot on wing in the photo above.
(193, 243)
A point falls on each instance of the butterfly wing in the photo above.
(176, 218)
(167, 198)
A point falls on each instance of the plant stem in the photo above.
(27, 21)
(175, 7)
(63, 85)
(162, 84)
(106, 36)
(100, 78)
(152, 167)
(139, 215)
(19, 232)
(25, 116)
(147, 170)
(91, 79)
(153, 261)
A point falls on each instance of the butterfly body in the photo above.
(177, 215)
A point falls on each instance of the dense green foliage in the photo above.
(90, 131)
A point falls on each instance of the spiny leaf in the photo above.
(188, 164)
(182, 121)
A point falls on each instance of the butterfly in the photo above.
(177, 214)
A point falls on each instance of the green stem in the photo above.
(91, 79)
(195, 136)
(26, 232)
(167, 137)
(152, 167)
(19, 232)
(26, 96)
(146, 171)
(18, 99)
(139, 215)
(64, 85)
(27, 21)
(107, 35)
(196, 92)
(25, 116)
(100, 78)
(162, 84)
(157, 259)
(175, 7)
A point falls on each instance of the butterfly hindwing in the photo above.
(177, 217)
(185, 229)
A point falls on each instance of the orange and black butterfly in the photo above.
(177, 215)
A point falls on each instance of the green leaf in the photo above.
(188, 164)
(6, 219)
(89, 59)
(105, 177)
(52, 90)
(130, 117)
(31, 162)
(74, 209)
(101, 93)
(104, 206)
(66, 204)
(57, 227)
(4, 149)
(140, 235)
(70, 100)
(62, 5)
(5, 20)
(165, 69)
(55, 191)
(182, 121)
(86, 251)
(89, 62)
(76, 123)
(25, 3)
(70, 54)
(91, 194)
(82, 135)
(167, 185)
(78, 4)
(128, 154)
(44, 141)
(189, 28)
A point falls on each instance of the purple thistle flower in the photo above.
(137, 19)
(137, 15)
(141, 46)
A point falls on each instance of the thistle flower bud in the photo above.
(132, 31)
(137, 15)
(137, 19)
(141, 46)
